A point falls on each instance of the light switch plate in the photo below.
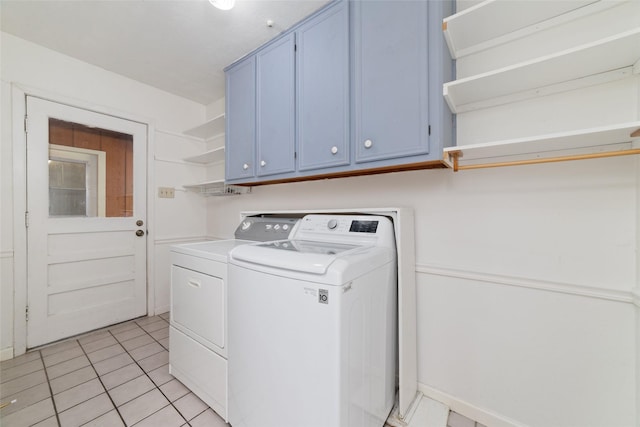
(166, 192)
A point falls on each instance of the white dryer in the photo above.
(312, 326)
(198, 324)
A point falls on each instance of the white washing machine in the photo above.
(198, 324)
(312, 326)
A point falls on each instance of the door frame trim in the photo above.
(19, 95)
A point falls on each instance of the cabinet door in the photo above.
(390, 78)
(241, 120)
(275, 98)
(323, 89)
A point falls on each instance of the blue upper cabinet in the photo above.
(355, 88)
(322, 60)
(240, 137)
(390, 66)
(275, 101)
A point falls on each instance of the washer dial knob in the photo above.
(332, 224)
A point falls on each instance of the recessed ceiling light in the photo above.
(223, 4)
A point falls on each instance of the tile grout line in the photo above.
(144, 372)
(98, 376)
(151, 379)
(53, 401)
(102, 384)
(47, 381)
(183, 417)
(28, 388)
(19, 364)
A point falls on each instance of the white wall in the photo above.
(525, 275)
(65, 78)
(181, 219)
(637, 291)
(524, 282)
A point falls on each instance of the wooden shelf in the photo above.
(622, 138)
(217, 188)
(209, 129)
(591, 59)
(494, 22)
(211, 156)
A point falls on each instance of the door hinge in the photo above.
(295, 47)
(26, 313)
(26, 219)
(295, 154)
(429, 129)
(26, 124)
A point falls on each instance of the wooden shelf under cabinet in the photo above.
(605, 141)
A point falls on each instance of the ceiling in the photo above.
(179, 46)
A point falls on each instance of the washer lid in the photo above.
(296, 255)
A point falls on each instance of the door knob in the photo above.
(139, 233)
(245, 166)
(368, 143)
(139, 223)
(334, 150)
(263, 163)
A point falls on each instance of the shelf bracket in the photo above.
(453, 158)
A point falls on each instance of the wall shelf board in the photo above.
(611, 53)
(624, 136)
(495, 22)
(211, 156)
(580, 83)
(217, 188)
(209, 129)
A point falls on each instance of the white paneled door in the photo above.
(86, 220)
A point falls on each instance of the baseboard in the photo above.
(430, 413)
(6, 353)
(467, 409)
(394, 420)
(162, 309)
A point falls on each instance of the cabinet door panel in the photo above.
(323, 89)
(390, 94)
(241, 118)
(275, 99)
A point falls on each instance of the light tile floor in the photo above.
(117, 376)
(457, 420)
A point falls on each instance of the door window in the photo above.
(90, 171)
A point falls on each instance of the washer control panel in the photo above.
(262, 229)
(339, 225)
(357, 229)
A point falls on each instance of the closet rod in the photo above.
(455, 155)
